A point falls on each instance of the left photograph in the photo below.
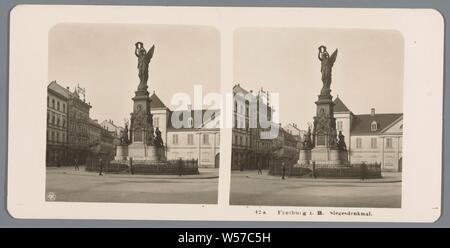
(126, 120)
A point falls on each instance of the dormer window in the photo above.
(374, 126)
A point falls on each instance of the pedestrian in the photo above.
(363, 171)
(283, 170)
(314, 169)
(258, 163)
(100, 173)
(131, 166)
(76, 165)
(180, 167)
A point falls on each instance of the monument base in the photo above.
(323, 156)
(121, 152)
(141, 151)
(148, 160)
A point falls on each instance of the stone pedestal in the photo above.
(327, 156)
(304, 157)
(121, 152)
(141, 151)
(325, 151)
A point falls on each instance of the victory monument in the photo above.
(323, 152)
(141, 146)
(322, 146)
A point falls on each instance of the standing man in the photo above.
(180, 167)
(258, 164)
(283, 168)
(101, 167)
(131, 166)
(314, 169)
(363, 171)
(76, 164)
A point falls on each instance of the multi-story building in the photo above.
(249, 147)
(295, 131)
(68, 118)
(111, 127)
(71, 134)
(241, 132)
(95, 132)
(107, 146)
(285, 147)
(188, 134)
(78, 124)
(371, 138)
(57, 99)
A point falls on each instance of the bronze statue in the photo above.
(332, 138)
(124, 139)
(150, 137)
(327, 63)
(341, 142)
(158, 138)
(307, 143)
(144, 58)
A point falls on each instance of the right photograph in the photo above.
(317, 117)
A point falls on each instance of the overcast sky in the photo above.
(368, 71)
(100, 57)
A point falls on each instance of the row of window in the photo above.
(241, 122)
(79, 115)
(56, 119)
(373, 126)
(55, 104)
(204, 157)
(74, 128)
(55, 136)
(190, 121)
(374, 143)
(241, 140)
(190, 139)
(76, 139)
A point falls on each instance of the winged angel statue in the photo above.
(144, 58)
(327, 63)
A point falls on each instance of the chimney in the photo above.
(372, 111)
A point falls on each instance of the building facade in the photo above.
(72, 137)
(241, 133)
(371, 138)
(111, 127)
(78, 128)
(188, 134)
(57, 149)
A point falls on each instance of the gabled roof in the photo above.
(156, 102)
(59, 89)
(238, 89)
(361, 124)
(339, 106)
(192, 113)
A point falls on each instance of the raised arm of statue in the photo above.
(136, 51)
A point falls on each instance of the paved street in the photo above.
(248, 188)
(82, 186)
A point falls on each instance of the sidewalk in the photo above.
(388, 177)
(205, 173)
